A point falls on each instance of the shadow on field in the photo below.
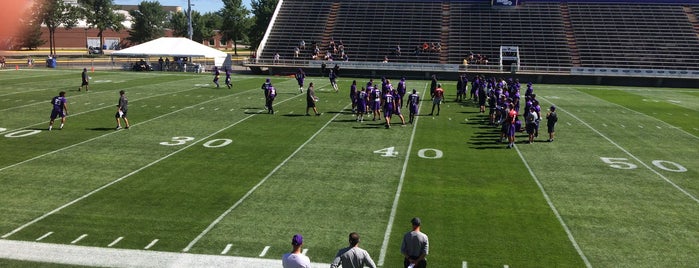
(294, 115)
(370, 125)
(100, 128)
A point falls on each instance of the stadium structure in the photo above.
(638, 42)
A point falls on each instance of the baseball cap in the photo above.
(297, 240)
(553, 107)
(416, 221)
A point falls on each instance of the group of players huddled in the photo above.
(387, 99)
(503, 100)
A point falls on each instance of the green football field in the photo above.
(206, 172)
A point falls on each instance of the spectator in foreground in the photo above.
(353, 256)
(295, 259)
(415, 246)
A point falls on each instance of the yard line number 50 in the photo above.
(624, 163)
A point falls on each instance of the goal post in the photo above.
(509, 56)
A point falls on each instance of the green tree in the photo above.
(100, 14)
(202, 25)
(262, 11)
(54, 13)
(32, 36)
(148, 22)
(236, 23)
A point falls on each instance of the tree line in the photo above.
(149, 21)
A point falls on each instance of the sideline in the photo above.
(394, 208)
(111, 257)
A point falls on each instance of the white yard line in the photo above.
(553, 208)
(264, 251)
(127, 175)
(89, 111)
(44, 236)
(394, 207)
(127, 258)
(227, 249)
(633, 111)
(631, 155)
(152, 243)
(115, 241)
(114, 181)
(78, 239)
(110, 133)
(254, 188)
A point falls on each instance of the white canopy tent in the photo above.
(173, 47)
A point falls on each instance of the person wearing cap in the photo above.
(122, 109)
(415, 246)
(551, 119)
(265, 87)
(296, 259)
(353, 256)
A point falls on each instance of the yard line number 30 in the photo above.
(625, 163)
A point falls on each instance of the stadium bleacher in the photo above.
(642, 34)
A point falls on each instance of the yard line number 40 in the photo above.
(625, 163)
(427, 153)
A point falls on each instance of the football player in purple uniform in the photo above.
(333, 80)
(396, 106)
(59, 109)
(353, 95)
(376, 103)
(228, 78)
(402, 90)
(217, 73)
(265, 86)
(413, 103)
(300, 76)
(271, 93)
(362, 98)
(388, 107)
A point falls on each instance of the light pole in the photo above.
(190, 31)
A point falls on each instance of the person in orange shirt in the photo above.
(437, 100)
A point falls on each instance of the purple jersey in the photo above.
(388, 104)
(271, 92)
(58, 103)
(413, 102)
(401, 88)
(361, 102)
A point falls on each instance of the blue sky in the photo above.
(202, 6)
